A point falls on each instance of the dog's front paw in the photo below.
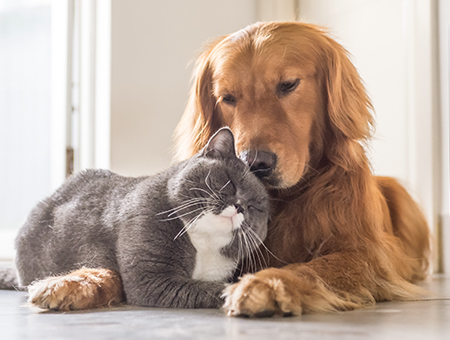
(58, 293)
(81, 289)
(261, 296)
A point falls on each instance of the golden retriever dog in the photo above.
(339, 237)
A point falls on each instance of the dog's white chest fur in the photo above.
(209, 234)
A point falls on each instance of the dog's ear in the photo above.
(198, 122)
(349, 107)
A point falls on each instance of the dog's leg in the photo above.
(333, 282)
(409, 225)
(85, 288)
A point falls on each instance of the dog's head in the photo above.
(288, 92)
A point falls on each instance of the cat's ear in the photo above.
(220, 145)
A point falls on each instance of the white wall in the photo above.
(152, 45)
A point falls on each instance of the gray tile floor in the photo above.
(425, 320)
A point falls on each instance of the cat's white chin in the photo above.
(210, 234)
(236, 218)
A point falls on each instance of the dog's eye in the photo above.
(229, 99)
(286, 87)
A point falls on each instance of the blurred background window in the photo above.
(25, 77)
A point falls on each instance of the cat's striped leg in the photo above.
(84, 288)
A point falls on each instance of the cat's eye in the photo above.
(253, 208)
(286, 87)
(228, 188)
(229, 99)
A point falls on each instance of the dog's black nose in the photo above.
(261, 163)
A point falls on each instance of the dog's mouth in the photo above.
(273, 181)
(263, 164)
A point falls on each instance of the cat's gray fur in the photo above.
(99, 219)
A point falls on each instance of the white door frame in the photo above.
(94, 24)
(444, 64)
(61, 87)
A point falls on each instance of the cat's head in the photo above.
(218, 188)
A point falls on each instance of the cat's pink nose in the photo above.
(230, 211)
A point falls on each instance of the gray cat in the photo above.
(175, 238)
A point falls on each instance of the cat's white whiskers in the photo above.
(253, 250)
(241, 256)
(267, 249)
(182, 215)
(250, 166)
(236, 238)
(258, 254)
(248, 248)
(206, 211)
(245, 252)
(205, 191)
(242, 252)
(264, 256)
(261, 258)
(220, 190)
(252, 255)
(189, 224)
(209, 187)
(185, 205)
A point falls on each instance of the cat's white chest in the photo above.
(210, 234)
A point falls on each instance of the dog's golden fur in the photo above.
(351, 238)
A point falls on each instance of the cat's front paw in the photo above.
(261, 296)
(82, 289)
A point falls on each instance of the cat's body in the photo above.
(174, 238)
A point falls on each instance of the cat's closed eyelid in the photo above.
(228, 188)
(254, 207)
